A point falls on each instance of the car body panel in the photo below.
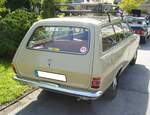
(77, 72)
(79, 69)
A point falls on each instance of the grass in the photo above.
(9, 89)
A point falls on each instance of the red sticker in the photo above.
(83, 49)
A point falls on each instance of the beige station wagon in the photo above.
(78, 56)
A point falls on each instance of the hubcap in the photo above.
(115, 83)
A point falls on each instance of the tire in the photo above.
(111, 92)
(133, 61)
(142, 40)
(78, 100)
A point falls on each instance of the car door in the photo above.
(132, 41)
(122, 48)
(58, 54)
(109, 58)
(115, 50)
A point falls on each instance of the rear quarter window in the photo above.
(60, 39)
(108, 37)
(119, 33)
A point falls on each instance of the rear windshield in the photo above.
(60, 39)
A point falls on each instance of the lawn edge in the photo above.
(4, 106)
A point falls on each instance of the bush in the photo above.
(16, 4)
(12, 29)
(3, 12)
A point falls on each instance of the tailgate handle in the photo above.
(49, 62)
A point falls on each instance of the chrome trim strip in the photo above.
(55, 88)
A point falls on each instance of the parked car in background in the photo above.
(140, 25)
(79, 56)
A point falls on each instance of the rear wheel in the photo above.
(133, 61)
(111, 92)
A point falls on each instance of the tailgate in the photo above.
(60, 55)
(75, 68)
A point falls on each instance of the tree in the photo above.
(16, 4)
(128, 5)
(48, 8)
(2, 2)
(3, 10)
(36, 5)
(13, 27)
(2, 5)
(147, 1)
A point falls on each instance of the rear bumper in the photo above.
(65, 90)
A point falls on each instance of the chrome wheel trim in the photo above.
(115, 83)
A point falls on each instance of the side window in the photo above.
(119, 34)
(108, 37)
(126, 29)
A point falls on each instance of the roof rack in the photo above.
(98, 8)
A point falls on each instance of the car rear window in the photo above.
(60, 39)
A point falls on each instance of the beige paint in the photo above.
(78, 69)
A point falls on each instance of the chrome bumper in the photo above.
(65, 90)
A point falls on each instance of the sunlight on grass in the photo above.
(9, 89)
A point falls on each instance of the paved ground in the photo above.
(132, 99)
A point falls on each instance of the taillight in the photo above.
(141, 32)
(14, 68)
(96, 82)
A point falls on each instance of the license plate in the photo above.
(52, 76)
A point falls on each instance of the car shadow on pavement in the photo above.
(145, 46)
(132, 99)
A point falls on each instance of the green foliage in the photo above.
(128, 5)
(48, 8)
(9, 89)
(36, 3)
(2, 2)
(12, 29)
(16, 4)
(3, 10)
(147, 1)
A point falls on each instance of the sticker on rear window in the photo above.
(83, 49)
(54, 49)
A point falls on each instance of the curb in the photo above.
(2, 107)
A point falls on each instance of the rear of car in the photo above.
(139, 26)
(57, 54)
